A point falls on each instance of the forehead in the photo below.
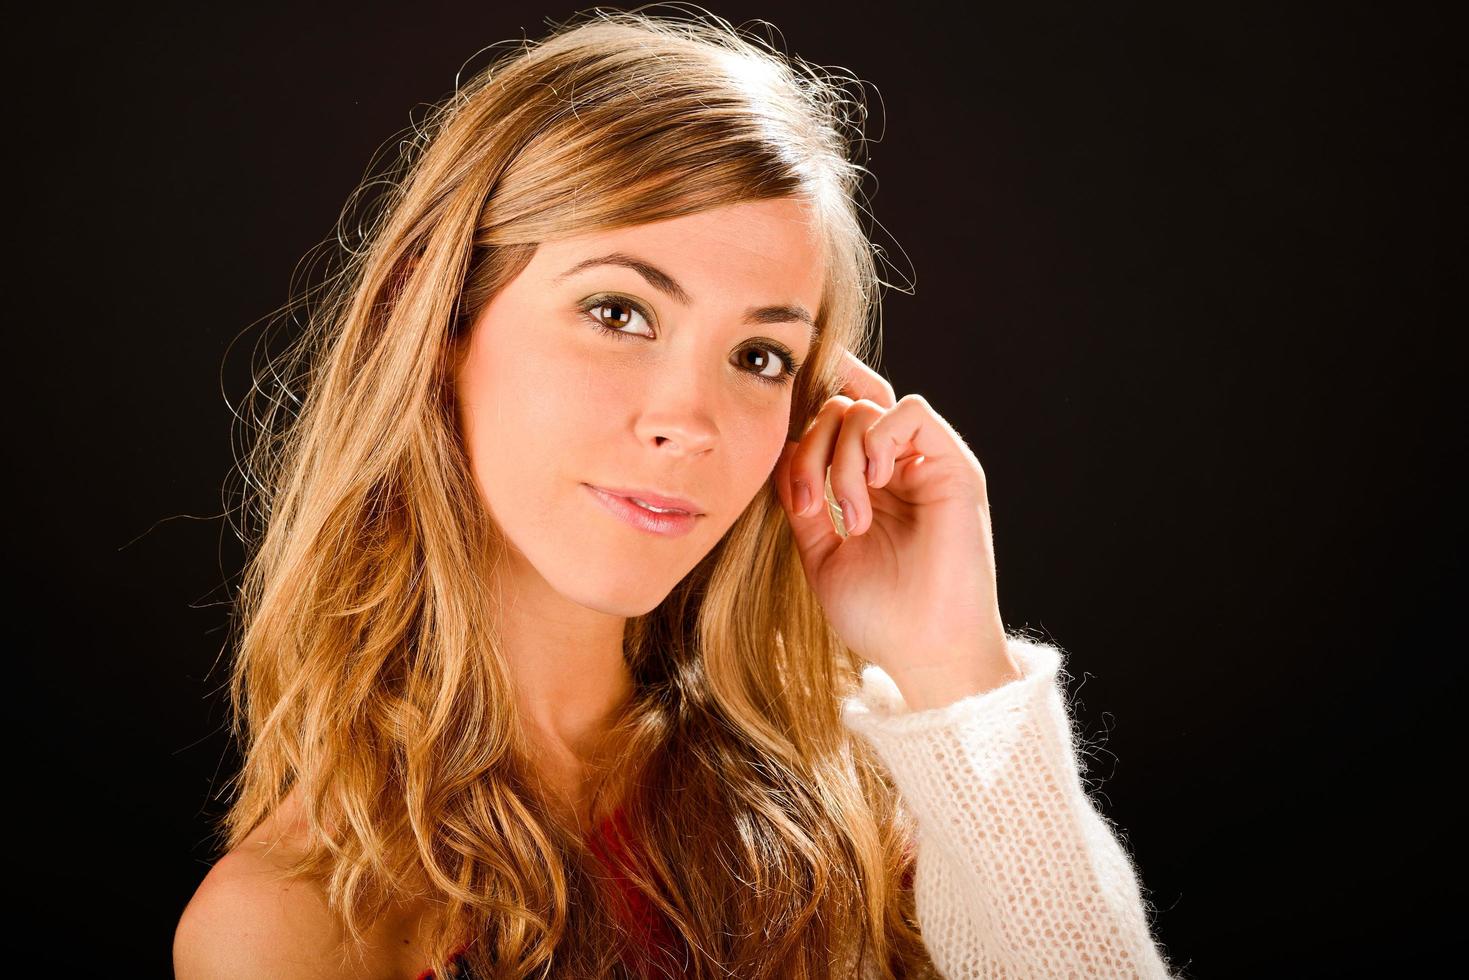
(762, 251)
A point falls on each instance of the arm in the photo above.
(1019, 875)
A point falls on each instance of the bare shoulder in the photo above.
(244, 921)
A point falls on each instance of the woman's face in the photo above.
(691, 401)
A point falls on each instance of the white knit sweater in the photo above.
(1018, 874)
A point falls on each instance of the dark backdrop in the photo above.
(1181, 280)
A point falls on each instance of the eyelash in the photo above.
(792, 366)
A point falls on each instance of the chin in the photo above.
(622, 592)
(627, 606)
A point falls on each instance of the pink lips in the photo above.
(671, 525)
(657, 500)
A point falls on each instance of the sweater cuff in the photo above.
(878, 708)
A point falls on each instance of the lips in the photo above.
(659, 500)
(668, 524)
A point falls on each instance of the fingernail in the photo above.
(803, 496)
(847, 514)
(871, 471)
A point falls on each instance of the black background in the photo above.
(1180, 279)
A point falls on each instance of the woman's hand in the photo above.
(911, 587)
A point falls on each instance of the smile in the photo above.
(644, 517)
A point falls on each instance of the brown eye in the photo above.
(770, 357)
(618, 311)
(622, 312)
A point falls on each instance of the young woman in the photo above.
(608, 614)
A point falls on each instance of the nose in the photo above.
(678, 414)
(683, 433)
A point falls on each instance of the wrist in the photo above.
(940, 684)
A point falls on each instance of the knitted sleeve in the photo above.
(1018, 874)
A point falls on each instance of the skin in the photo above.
(546, 404)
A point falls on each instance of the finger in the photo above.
(814, 533)
(780, 476)
(910, 429)
(811, 458)
(849, 465)
(861, 382)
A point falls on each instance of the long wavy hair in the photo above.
(367, 671)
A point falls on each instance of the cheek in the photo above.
(755, 449)
(524, 412)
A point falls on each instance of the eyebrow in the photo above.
(666, 284)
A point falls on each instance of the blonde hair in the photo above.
(368, 672)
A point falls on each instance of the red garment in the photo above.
(655, 940)
(647, 924)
